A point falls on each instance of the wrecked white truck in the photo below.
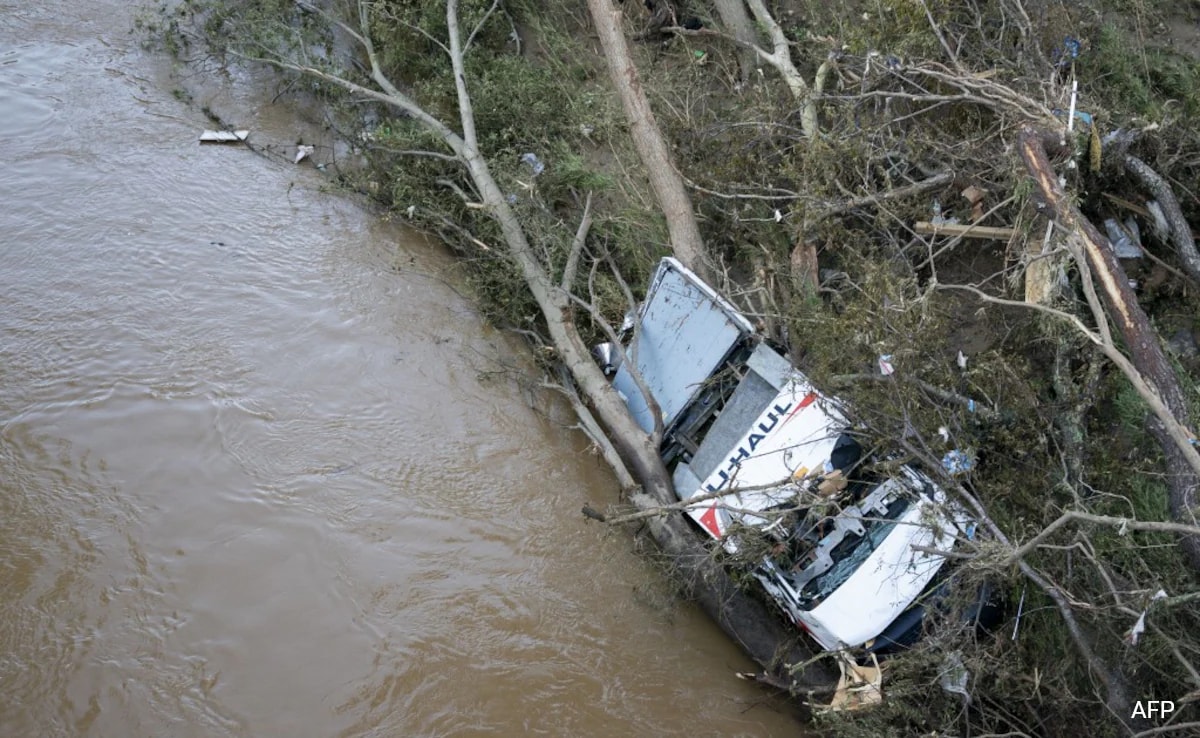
(850, 557)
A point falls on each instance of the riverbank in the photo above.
(813, 221)
(250, 483)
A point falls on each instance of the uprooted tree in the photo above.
(842, 158)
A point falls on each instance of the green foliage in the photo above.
(1134, 79)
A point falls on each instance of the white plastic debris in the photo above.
(1140, 626)
(885, 365)
(224, 136)
(1158, 220)
(955, 676)
(937, 218)
(778, 216)
(961, 360)
(303, 152)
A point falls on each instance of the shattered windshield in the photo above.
(847, 555)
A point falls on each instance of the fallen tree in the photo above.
(857, 188)
(746, 619)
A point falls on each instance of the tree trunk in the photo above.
(1181, 231)
(737, 21)
(668, 186)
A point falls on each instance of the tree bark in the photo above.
(737, 21)
(1139, 336)
(669, 190)
(1181, 231)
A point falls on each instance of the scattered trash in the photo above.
(1125, 238)
(858, 687)
(778, 216)
(303, 152)
(1081, 116)
(944, 432)
(974, 196)
(606, 357)
(885, 365)
(1020, 610)
(410, 211)
(961, 360)
(1074, 98)
(1140, 626)
(958, 462)
(1065, 55)
(223, 136)
(955, 676)
(937, 219)
(534, 163)
(1158, 220)
(629, 320)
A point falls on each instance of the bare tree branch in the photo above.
(1123, 524)
(585, 223)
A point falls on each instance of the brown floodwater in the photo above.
(262, 472)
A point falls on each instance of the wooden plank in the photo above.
(223, 136)
(925, 228)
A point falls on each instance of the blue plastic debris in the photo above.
(1125, 238)
(1081, 116)
(534, 163)
(1066, 54)
(957, 462)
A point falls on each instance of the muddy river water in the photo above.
(258, 474)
